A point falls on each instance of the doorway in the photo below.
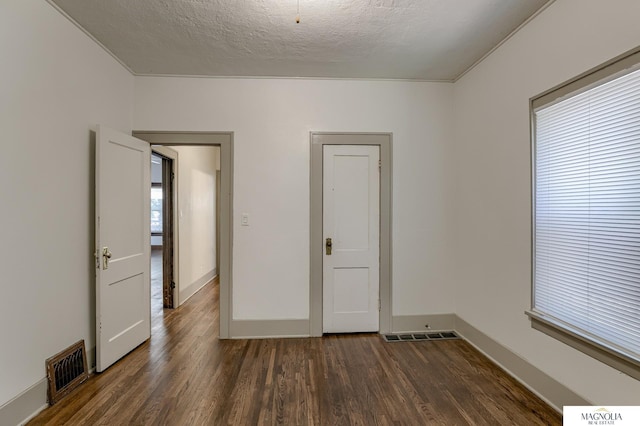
(318, 247)
(164, 256)
(224, 140)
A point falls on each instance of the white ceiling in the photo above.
(391, 39)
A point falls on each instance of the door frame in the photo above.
(225, 141)
(172, 155)
(317, 141)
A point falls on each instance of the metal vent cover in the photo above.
(420, 337)
(66, 371)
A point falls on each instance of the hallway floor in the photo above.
(156, 283)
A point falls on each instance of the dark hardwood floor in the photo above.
(185, 375)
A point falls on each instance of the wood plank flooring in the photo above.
(185, 375)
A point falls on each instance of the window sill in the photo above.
(611, 356)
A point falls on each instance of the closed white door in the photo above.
(351, 232)
(123, 315)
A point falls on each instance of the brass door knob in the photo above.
(106, 255)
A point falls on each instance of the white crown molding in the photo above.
(504, 40)
(88, 34)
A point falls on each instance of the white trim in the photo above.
(197, 285)
(88, 34)
(541, 384)
(26, 405)
(273, 77)
(260, 329)
(504, 40)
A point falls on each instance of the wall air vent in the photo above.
(66, 371)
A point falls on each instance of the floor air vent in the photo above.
(419, 337)
(66, 371)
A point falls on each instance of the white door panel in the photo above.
(351, 203)
(351, 218)
(122, 228)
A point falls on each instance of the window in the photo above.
(586, 213)
(156, 209)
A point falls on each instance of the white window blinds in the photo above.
(587, 214)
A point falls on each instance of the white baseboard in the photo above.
(262, 329)
(546, 387)
(25, 406)
(193, 288)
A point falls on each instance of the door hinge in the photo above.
(173, 176)
(379, 164)
(97, 259)
(173, 285)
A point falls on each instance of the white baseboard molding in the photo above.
(546, 387)
(262, 329)
(418, 323)
(193, 288)
(25, 406)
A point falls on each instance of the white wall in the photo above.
(196, 213)
(493, 183)
(55, 86)
(272, 119)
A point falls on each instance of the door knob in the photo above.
(106, 255)
(327, 245)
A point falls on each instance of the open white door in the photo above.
(123, 314)
(351, 231)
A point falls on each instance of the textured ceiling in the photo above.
(395, 39)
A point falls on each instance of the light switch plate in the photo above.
(244, 219)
